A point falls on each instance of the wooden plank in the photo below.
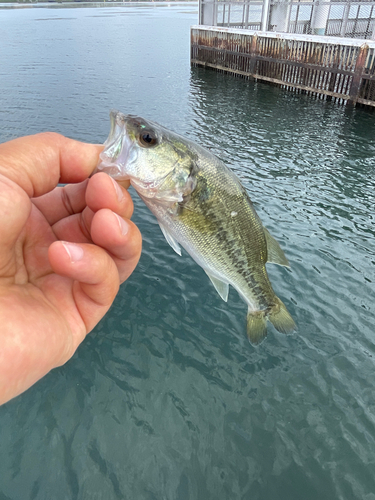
(328, 40)
(268, 79)
(285, 61)
(253, 53)
(366, 102)
(358, 72)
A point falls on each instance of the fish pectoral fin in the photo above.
(256, 326)
(171, 240)
(274, 253)
(222, 288)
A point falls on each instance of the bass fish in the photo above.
(200, 205)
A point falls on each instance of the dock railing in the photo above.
(334, 68)
(343, 18)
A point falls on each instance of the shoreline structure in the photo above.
(292, 47)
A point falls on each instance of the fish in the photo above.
(201, 206)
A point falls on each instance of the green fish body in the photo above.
(200, 205)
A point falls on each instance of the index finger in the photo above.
(37, 163)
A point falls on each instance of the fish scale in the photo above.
(200, 205)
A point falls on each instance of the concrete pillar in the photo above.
(265, 15)
(345, 19)
(280, 16)
(319, 17)
(208, 13)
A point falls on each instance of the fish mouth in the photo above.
(117, 148)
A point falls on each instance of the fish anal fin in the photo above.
(170, 239)
(256, 326)
(274, 253)
(221, 287)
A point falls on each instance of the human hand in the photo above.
(63, 253)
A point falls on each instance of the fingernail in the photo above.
(74, 251)
(120, 194)
(124, 226)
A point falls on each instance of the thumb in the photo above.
(15, 210)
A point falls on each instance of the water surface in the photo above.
(166, 399)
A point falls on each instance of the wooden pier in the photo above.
(341, 69)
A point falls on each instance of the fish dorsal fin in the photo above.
(274, 253)
(221, 287)
(176, 247)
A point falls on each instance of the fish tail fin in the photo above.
(280, 317)
(256, 326)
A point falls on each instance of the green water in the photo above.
(166, 399)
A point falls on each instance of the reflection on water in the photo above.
(166, 398)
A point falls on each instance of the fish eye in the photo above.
(147, 139)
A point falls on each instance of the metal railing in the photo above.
(350, 18)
